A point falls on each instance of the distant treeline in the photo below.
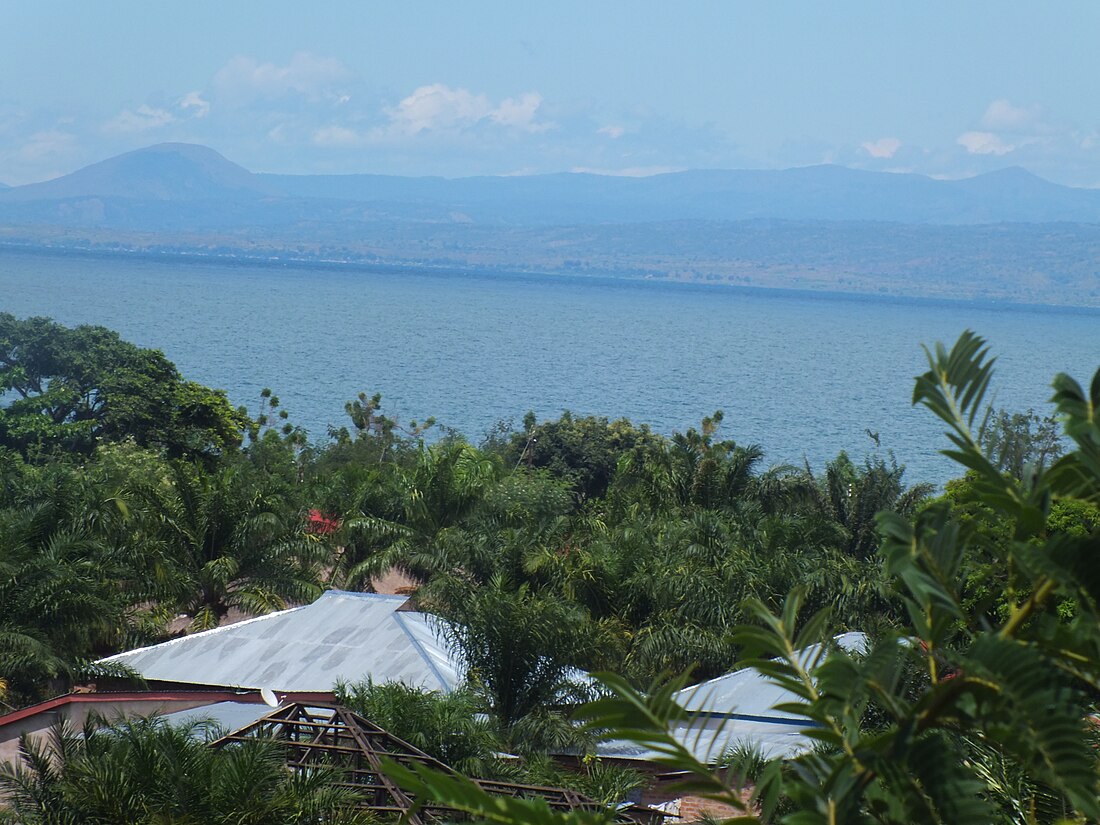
(1021, 263)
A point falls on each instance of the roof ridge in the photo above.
(400, 619)
(362, 595)
(207, 633)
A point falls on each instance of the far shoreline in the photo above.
(489, 272)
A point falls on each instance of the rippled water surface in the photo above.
(803, 375)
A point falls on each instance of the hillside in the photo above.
(175, 172)
(1007, 235)
(165, 172)
(806, 193)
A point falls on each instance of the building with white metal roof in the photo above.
(342, 636)
(750, 694)
(738, 708)
(353, 637)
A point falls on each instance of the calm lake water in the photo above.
(803, 375)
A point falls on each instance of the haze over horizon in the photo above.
(499, 89)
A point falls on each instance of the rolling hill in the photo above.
(165, 172)
(176, 172)
(1006, 235)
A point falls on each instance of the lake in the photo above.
(804, 375)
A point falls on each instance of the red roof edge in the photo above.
(208, 696)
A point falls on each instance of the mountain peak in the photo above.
(1013, 171)
(163, 172)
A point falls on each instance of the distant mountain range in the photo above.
(176, 172)
(808, 193)
(896, 232)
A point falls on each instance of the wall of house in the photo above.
(37, 725)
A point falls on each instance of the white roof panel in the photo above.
(734, 709)
(340, 637)
(709, 738)
(746, 693)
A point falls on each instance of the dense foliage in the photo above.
(135, 505)
(147, 772)
(970, 709)
(72, 387)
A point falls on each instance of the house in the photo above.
(298, 654)
(229, 675)
(36, 720)
(341, 637)
(736, 709)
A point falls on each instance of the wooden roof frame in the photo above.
(328, 734)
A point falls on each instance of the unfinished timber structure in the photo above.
(330, 735)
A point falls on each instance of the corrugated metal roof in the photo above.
(734, 709)
(710, 737)
(225, 716)
(340, 637)
(355, 636)
(747, 693)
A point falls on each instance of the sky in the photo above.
(945, 89)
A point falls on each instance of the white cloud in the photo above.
(243, 79)
(439, 107)
(613, 132)
(984, 143)
(142, 119)
(194, 100)
(520, 113)
(1002, 116)
(885, 147)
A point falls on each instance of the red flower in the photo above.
(322, 525)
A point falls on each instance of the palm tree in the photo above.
(227, 542)
(693, 469)
(146, 771)
(520, 648)
(59, 595)
(852, 495)
(438, 496)
(452, 727)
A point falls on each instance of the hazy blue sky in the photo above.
(462, 88)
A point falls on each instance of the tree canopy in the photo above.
(132, 511)
(68, 388)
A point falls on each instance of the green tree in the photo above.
(60, 601)
(519, 648)
(692, 469)
(852, 496)
(70, 387)
(1020, 444)
(437, 497)
(583, 451)
(148, 772)
(950, 716)
(375, 436)
(451, 727)
(226, 542)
